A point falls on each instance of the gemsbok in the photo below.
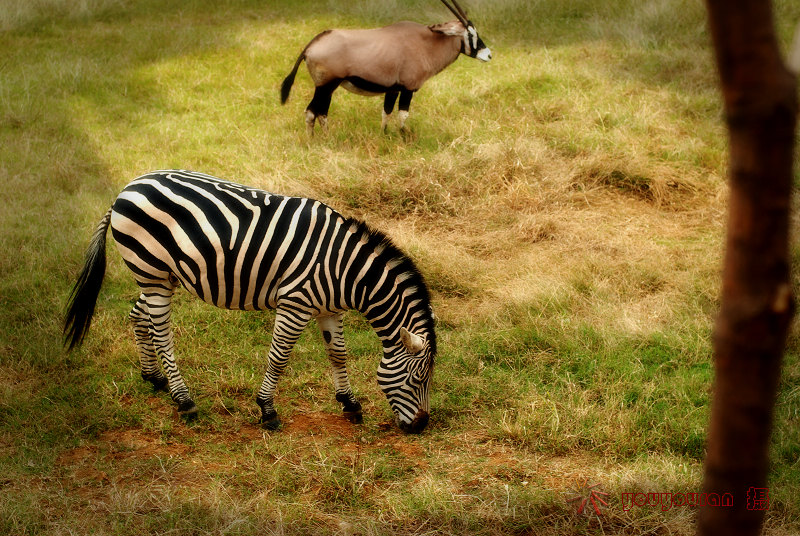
(394, 60)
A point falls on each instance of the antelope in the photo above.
(394, 60)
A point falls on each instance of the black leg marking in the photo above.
(403, 106)
(389, 100)
(270, 421)
(405, 100)
(321, 101)
(388, 106)
(187, 410)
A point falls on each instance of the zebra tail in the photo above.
(286, 86)
(83, 297)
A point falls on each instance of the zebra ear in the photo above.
(413, 343)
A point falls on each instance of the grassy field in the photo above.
(566, 203)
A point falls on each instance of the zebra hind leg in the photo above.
(148, 359)
(331, 328)
(158, 302)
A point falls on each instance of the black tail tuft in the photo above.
(83, 297)
(286, 86)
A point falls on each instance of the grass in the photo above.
(566, 203)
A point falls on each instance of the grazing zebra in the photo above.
(241, 248)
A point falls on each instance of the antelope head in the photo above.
(474, 46)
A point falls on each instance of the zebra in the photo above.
(242, 248)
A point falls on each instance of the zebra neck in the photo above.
(380, 281)
(402, 307)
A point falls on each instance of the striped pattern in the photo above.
(241, 248)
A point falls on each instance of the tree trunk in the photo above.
(756, 304)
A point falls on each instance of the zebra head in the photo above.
(404, 376)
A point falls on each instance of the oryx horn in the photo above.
(459, 14)
(460, 10)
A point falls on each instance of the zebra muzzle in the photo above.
(417, 425)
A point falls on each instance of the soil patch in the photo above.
(318, 423)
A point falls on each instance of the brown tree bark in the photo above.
(756, 304)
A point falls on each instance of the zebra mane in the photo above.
(411, 275)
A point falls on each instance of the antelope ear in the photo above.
(413, 343)
(448, 28)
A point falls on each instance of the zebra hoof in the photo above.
(355, 417)
(187, 410)
(159, 382)
(270, 421)
(272, 424)
(351, 408)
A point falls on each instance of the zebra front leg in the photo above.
(158, 300)
(331, 327)
(289, 324)
(148, 359)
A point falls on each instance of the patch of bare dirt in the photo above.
(247, 433)
(159, 406)
(75, 456)
(566, 473)
(129, 457)
(318, 423)
(135, 443)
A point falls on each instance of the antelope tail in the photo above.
(83, 297)
(286, 86)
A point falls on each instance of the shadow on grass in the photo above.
(57, 185)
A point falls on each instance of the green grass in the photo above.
(566, 203)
